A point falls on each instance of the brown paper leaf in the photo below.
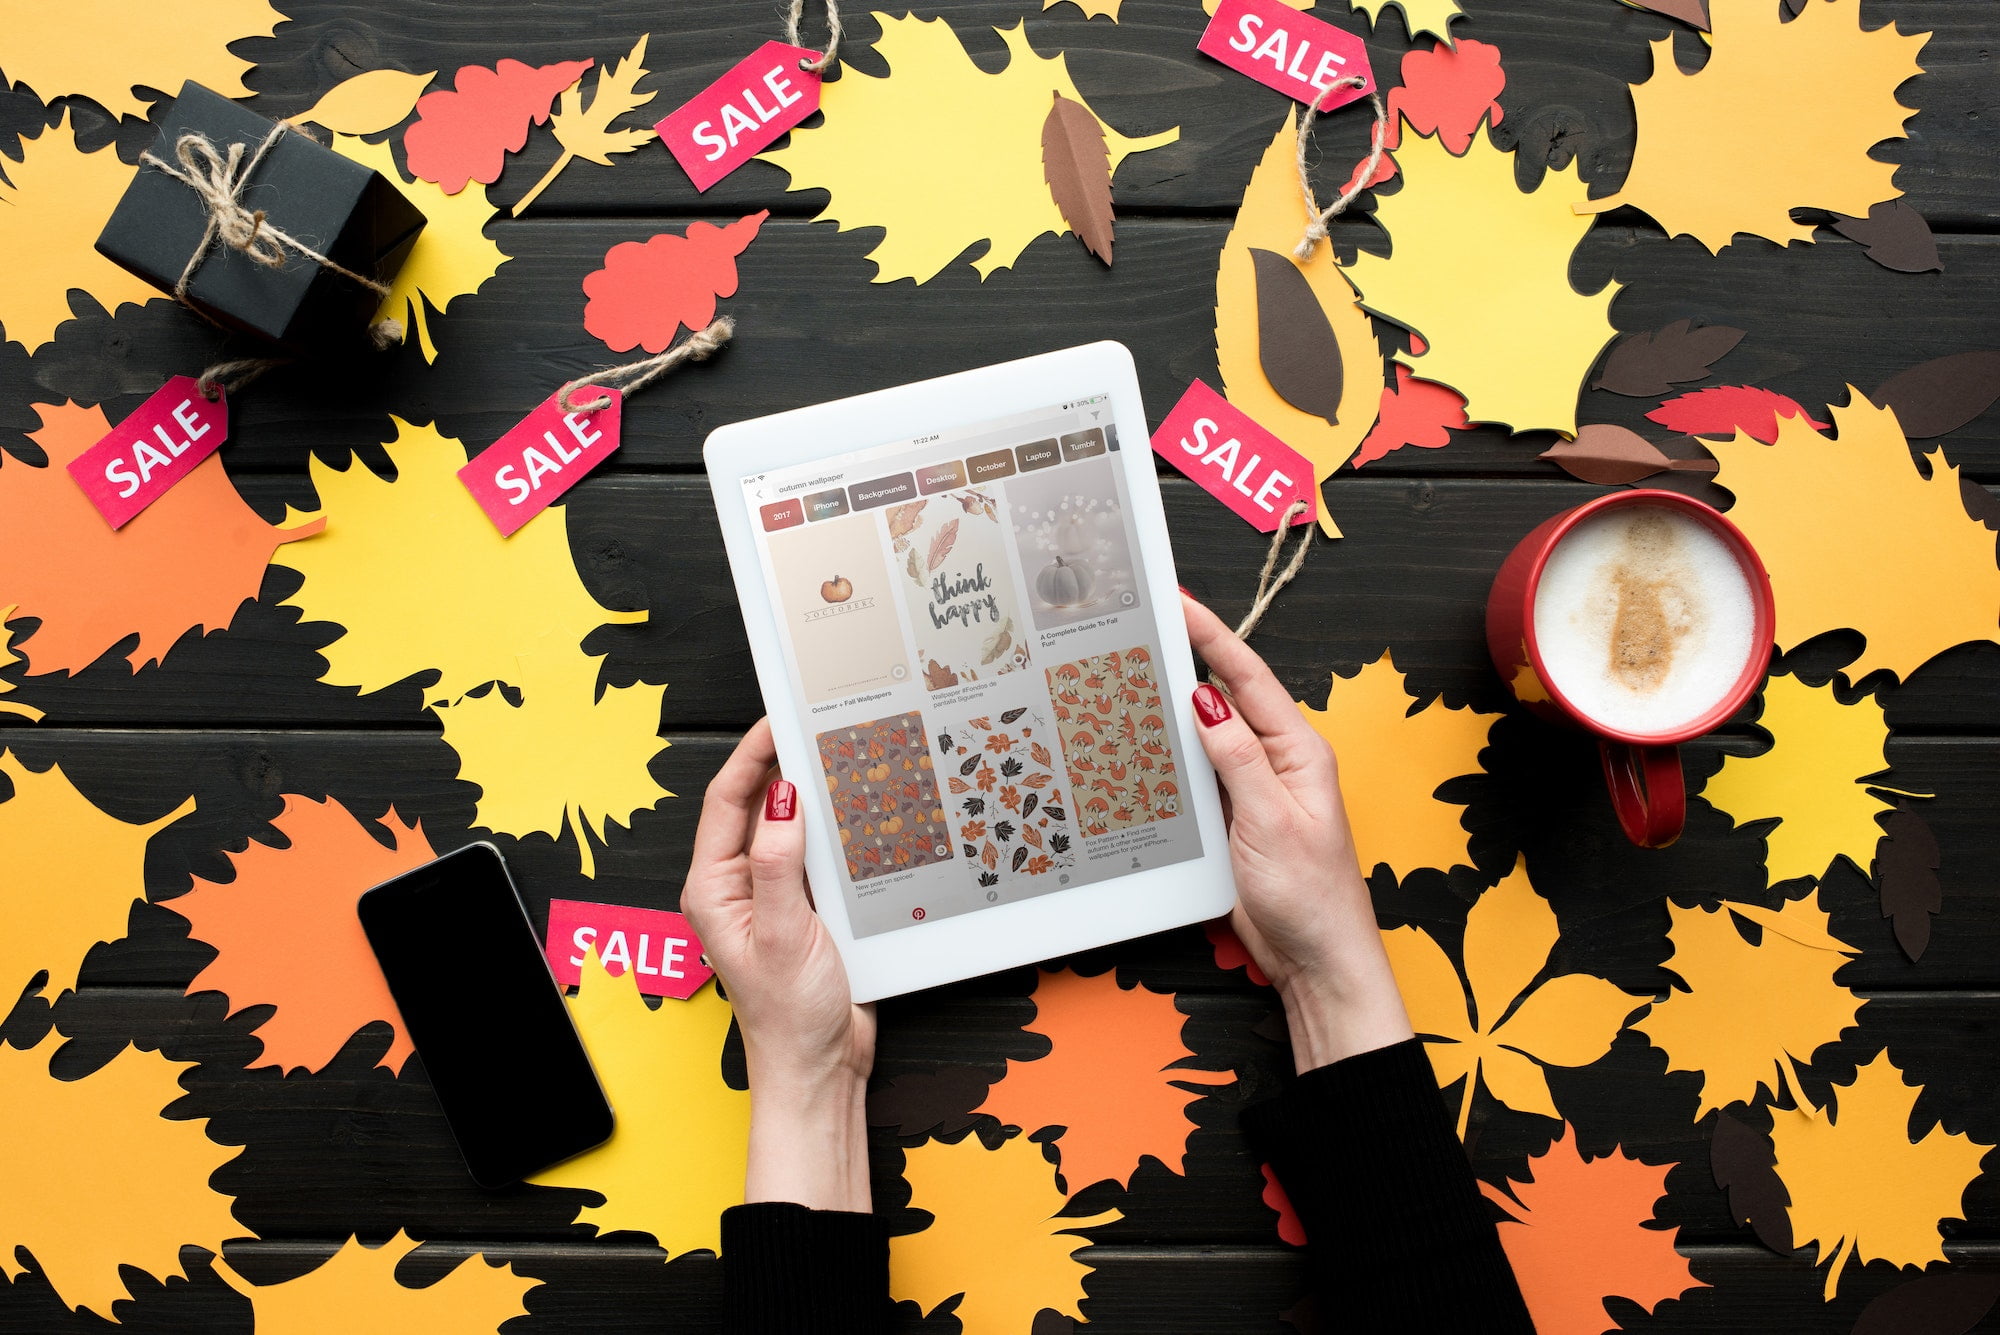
(1048, 1321)
(1980, 503)
(928, 1103)
(1905, 873)
(1949, 1302)
(1295, 341)
(1895, 236)
(1694, 12)
(1938, 397)
(1645, 366)
(1745, 1166)
(1076, 163)
(1610, 455)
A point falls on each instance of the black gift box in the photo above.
(342, 209)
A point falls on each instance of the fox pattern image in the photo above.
(1007, 804)
(1114, 741)
(885, 796)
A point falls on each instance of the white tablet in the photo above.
(962, 607)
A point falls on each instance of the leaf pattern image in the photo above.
(1010, 812)
(1113, 729)
(880, 779)
(960, 599)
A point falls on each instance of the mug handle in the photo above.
(1647, 791)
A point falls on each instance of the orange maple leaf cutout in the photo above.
(194, 557)
(1106, 1079)
(647, 290)
(1582, 1230)
(359, 1284)
(286, 934)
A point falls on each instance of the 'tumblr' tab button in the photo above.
(782, 514)
(882, 491)
(1041, 454)
(1086, 444)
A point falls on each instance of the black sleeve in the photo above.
(1397, 1235)
(787, 1270)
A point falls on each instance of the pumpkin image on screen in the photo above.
(836, 590)
(1075, 535)
(1065, 582)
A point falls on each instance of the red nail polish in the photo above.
(781, 801)
(1210, 706)
(1186, 592)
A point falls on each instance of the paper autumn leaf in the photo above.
(1393, 757)
(371, 101)
(1076, 163)
(1726, 409)
(359, 1283)
(1745, 1016)
(286, 935)
(1895, 236)
(96, 1177)
(889, 160)
(1937, 397)
(504, 595)
(53, 203)
(106, 50)
(1855, 536)
(1820, 73)
(1612, 456)
(1419, 413)
(1905, 875)
(1491, 301)
(1230, 952)
(675, 1161)
(1448, 91)
(647, 290)
(465, 132)
(1942, 1302)
(1511, 1030)
(1272, 217)
(1106, 1079)
(1651, 362)
(994, 1236)
(585, 131)
(7, 659)
(1744, 1166)
(1861, 1187)
(73, 874)
(1419, 16)
(1290, 1229)
(1092, 9)
(194, 557)
(1571, 1208)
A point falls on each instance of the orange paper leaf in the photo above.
(465, 132)
(358, 1287)
(1414, 412)
(647, 290)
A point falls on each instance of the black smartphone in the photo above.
(486, 1015)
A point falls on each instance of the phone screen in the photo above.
(486, 1016)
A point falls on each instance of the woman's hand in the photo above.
(807, 1046)
(1302, 907)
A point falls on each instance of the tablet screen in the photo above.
(966, 626)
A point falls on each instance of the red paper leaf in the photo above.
(1446, 91)
(1414, 412)
(1230, 952)
(1726, 409)
(1289, 1228)
(465, 133)
(648, 289)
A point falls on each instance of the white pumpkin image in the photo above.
(1065, 583)
(1074, 535)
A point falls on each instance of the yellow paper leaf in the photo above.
(1860, 1186)
(1419, 16)
(452, 256)
(677, 1158)
(568, 753)
(1092, 9)
(1391, 764)
(421, 581)
(72, 876)
(891, 160)
(993, 1237)
(1698, 169)
(53, 203)
(1570, 1020)
(1480, 268)
(585, 132)
(1208, 6)
(370, 101)
(1854, 536)
(107, 49)
(357, 1290)
(7, 658)
(1272, 217)
(95, 1176)
(1749, 1013)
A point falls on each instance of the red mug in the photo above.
(1643, 770)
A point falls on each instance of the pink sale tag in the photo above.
(151, 450)
(548, 452)
(1236, 461)
(1283, 49)
(661, 949)
(742, 113)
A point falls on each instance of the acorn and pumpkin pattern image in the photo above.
(1113, 732)
(881, 778)
(1008, 804)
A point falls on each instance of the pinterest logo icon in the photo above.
(918, 914)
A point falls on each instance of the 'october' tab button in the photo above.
(986, 467)
(782, 514)
(1041, 454)
(882, 491)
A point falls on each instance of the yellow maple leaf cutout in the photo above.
(569, 753)
(1480, 268)
(372, 100)
(7, 658)
(1860, 1186)
(1510, 1031)
(95, 1177)
(1419, 16)
(585, 132)
(53, 203)
(891, 160)
(356, 1289)
(1094, 9)
(1750, 1014)
(420, 580)
(106, 49)
(453, 257)
(1853, 535)
(994, 1236)
(72, 876)
(677, 1158)
(1393, 756)
(1829, 83)
(1272, 217)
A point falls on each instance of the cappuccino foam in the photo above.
(1644, 618)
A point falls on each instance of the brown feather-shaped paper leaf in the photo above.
(1895, 236)
(1612, 456)
(1295, 341)
(1905, 872)
(1646, 366)
(1949, 1302)
(1745, 1166)
(1692, 12)
(927, 1103)
(1938, 397)
(1077, 165)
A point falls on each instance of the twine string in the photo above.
(1271, 580)
(228, 377)
(794, 12)
(1316, 216)
(635, 376)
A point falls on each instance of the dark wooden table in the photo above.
(238, 717)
